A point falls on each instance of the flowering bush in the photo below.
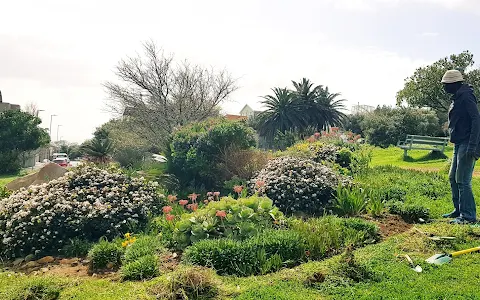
(297, 184)
(226, 218)
(87, 203)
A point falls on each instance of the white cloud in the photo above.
(472, 6)
(430, 34)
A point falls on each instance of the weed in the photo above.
(77, 248)
(39, 289)
(145, 267)
(105, 255)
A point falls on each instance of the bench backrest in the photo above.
(426, 140)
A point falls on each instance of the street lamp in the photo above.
(58, 129)
(39, 111)
(51, 118)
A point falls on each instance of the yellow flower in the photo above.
(127, 235)
(124, 244)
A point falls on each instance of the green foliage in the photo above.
(351, 201)
(195, 150)
(144, 267)
(254, 256)
(19, 132)
(283, 140)
(344, 157)
(100, 148)
(144, 245)
(298, 185)
(350, 268)
(105, 254)
(326, 236)
(77, 248)
(409, 212)
(385, 126)
(39, 289)
(423, 88)
(188, 283)
(375, 205)
(242, 218)
(4, 192)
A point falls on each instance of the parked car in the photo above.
(62, 161)
(60, 155)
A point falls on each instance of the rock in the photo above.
(110, 265)
(85, 262)
(72, 261)
(174, 255)
(32, 264)
(17, 262)
(46, 260)
(44, 270)
(29, 257)
(46, 174)
(94, 275)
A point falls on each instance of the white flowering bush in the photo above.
(298, 184)
(86, 203)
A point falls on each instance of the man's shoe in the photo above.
(453, 214)
(462, 221)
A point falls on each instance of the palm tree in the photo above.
(98, 150)
(322, 109)
(283, 113)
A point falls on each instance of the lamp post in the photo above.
(51, 118)
(39, 111)
(58, 129)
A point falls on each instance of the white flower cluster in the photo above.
(296, 184)
(86, 203)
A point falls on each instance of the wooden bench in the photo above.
(420, 142)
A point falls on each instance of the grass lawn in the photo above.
(4, 179)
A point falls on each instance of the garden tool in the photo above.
(440, 259)
(434, 237)
(416, 268)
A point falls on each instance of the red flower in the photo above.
(183, 202)
(316, 134)
(193, 197)
(238, 189)
(216, 194)
(307, 253)
(167, 209)
(260, 183)
(193, 206)
(335, 129)
(172, 198)
(209, 194)
(221, 214)
(169, 217)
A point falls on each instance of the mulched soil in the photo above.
(390, 225)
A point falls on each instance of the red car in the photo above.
(61, 161)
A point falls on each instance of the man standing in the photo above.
(464, 127)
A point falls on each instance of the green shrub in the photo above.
(344, 157)
(298, 185)
(351, 269)
(369, 230)
(195, 150)
(77, 248)
(145, 267)
(375, 205)
(39, 288)
(105, 254)
(392, 193)
(188, 283)
(350, 201)
(231, 218)
(4, 192)
(411, 213)
(254, 256)
(144, 245)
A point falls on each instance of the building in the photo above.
(7, 106)
(248, 112)
(361, 109)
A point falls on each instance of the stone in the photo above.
(31, 264)
(72, 261)
(17, 262)
(46, 260)
(44, 270)
(29, 257)
(110, 265)
(85, 262)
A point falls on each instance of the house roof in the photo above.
(235, 117)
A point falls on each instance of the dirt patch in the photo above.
(391, 225)
(46, 174)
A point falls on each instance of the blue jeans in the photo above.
(460, 177)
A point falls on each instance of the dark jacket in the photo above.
(464, 118)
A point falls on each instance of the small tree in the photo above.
(19, 132)
(99, 149)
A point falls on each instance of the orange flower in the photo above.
(216, 194)
(167, 209)
(170, 217)
(193, 206)
(193, 197)
(221, 214)
(316, 134)
(172, 198)
(238, 189)
(183, 202)
(260, 183)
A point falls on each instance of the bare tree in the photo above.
(32, 108)
(160, 95)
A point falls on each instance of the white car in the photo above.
(60, 155)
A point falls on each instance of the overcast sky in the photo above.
(58, 53)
